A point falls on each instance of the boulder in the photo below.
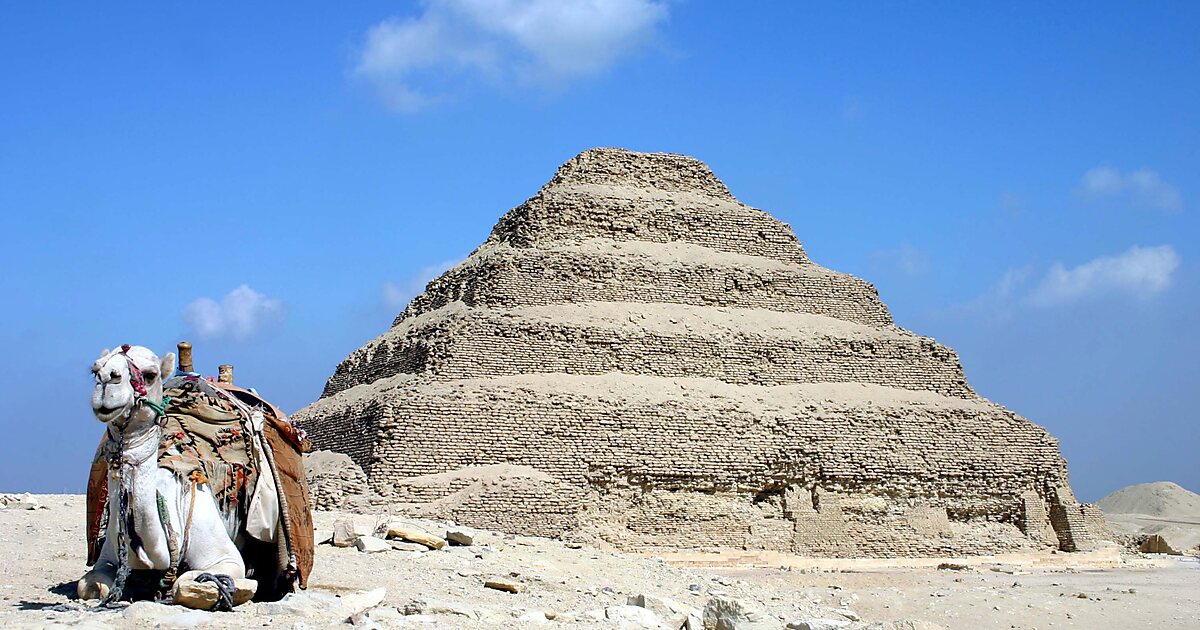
(460, 536)
(204, 595)
(675, 614)
(313, 604)
(817, 624)
(412, 534)
(726, 613)
(343, 533)
(634, 618)
(371, 544)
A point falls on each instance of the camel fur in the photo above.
(133, 439)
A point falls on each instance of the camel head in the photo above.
(125, 377)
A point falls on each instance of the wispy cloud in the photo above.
(419, 61)
(396, 296)
(1138, 271)
(1142, 188)
(240, 315)
(904, 258)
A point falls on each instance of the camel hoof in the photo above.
(88, 588)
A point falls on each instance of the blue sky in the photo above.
(272, 182)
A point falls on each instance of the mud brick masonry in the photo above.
(639, 358)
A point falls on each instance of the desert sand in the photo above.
(43, 554)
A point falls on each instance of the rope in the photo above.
(225, 588)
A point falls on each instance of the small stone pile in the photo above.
(24, 501)
(336, 482)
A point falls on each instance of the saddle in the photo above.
(209, 436)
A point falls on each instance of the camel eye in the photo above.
(149, 376)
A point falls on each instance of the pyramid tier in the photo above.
(744, 346)
(968, 455)
(629, 214)
(601, 270)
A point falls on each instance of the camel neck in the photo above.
(138, 440)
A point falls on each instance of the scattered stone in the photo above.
(422, 607)
(952, 566)
(460, 537)
(633, 617)
(724, 613)
(343, 533)
(501, 584)
(674, 613)
(849, 614)
(817, 624)
(371, 544)
(404, 545)
(24, 501)
(314, 604)
(204, 595)
(412, 534)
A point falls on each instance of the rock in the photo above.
(322, 536)
(725, 613)
(147, 613)
(371, 544)
(422, 607)
(905, 624)
(203, 595)
(533, 616)
(672, 612)
(343, 533)
(412, 534)
(849, 614)
(501, 584)
(817, 624)
(633, 617)
(460, 536)
(951, 566)
(404, 545)
(314, 604)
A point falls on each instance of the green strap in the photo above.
(159, 408)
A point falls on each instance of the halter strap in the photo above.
(135, 374)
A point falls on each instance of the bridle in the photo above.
(141, 394)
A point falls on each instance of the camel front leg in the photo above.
(210, 550)
(97, 583)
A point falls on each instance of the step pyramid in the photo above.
(635, 357)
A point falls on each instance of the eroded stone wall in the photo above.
(667, 368)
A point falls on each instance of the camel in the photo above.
(169, 522)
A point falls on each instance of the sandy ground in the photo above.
(43, 554)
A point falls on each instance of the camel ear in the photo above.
(167, 367)
(103, 353)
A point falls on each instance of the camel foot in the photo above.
(94, 585)
(204, 595)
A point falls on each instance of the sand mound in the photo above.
(1163, 499)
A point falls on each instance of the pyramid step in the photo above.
(744, 346)
(601, 270)
(695, 433)
(632, 214)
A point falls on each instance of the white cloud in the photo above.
(241, 314)
(1143, 187)
(905, 258)
(418, 61)
(396, 296)
(1138, 271)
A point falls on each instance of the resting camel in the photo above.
(158, 519)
